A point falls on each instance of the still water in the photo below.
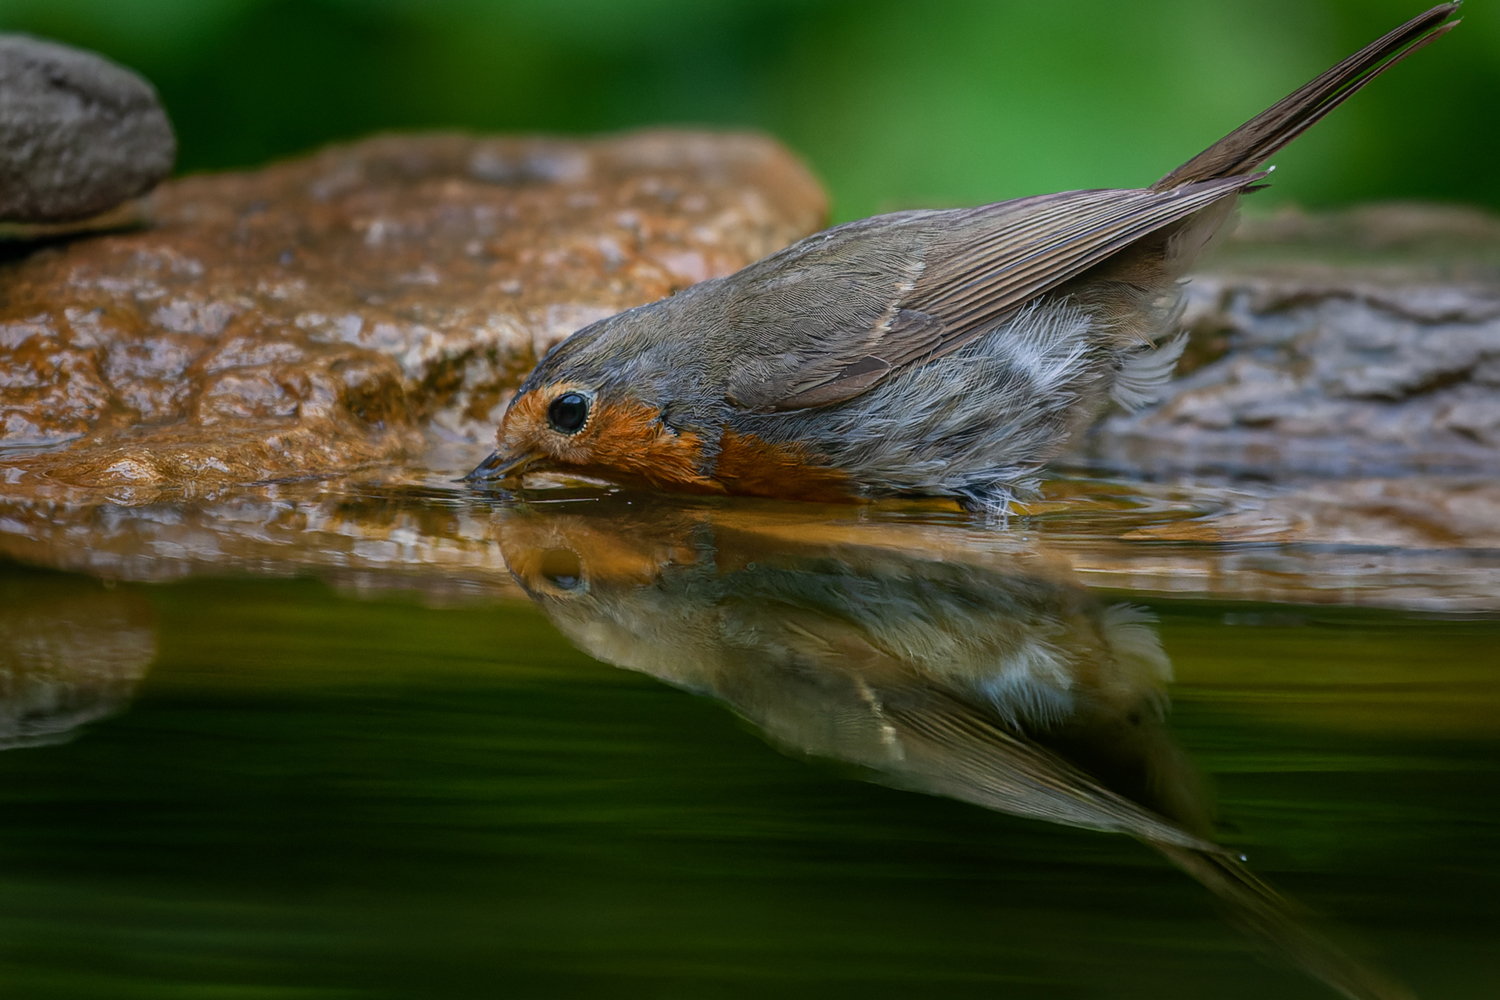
(397, 741)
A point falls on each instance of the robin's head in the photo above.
(582, 413)
(546, 428)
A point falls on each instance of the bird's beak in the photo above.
(498, 466)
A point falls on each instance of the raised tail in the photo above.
(1250, 145)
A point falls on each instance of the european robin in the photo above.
(922, 353)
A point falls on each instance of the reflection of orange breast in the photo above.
(752, 466)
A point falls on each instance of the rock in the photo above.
(78, 134)
(319, 314)
(1352, 344)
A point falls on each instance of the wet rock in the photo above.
(1353, 344)
(320, 314)
(78, 134)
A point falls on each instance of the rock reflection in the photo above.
(988, 677)
(1416, 543)
(71, 652)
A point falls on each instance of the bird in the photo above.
(927, 353)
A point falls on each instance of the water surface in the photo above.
(399, 742)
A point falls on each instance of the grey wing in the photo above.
(852, 305)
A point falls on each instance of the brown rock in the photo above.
(1350, 344)
(316, 315)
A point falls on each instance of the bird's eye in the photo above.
(568, 413)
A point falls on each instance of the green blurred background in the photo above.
(894, 104)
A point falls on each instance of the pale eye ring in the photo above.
(568, 413)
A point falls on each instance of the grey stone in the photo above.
(78, 134)
(1348, 344)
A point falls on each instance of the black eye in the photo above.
(568, 413)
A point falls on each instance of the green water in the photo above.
(310, 792)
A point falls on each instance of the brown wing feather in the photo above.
(983, 267)
(928, 283)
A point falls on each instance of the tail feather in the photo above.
(1250, 145)
(1284, 926)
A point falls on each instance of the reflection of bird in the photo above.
(938, 673)
(991, 678)
(944, 353)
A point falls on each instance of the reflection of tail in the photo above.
(1266, 914)
(961, 753)
(1250, 145)
(957, 750)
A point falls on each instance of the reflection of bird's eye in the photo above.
(568, 412)
(561, 568)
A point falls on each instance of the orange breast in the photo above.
(751, 466)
